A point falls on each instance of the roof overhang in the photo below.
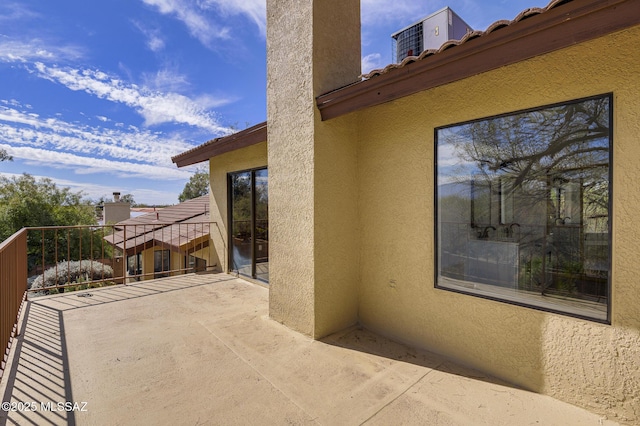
(534, 32)
(247, 137)
(185, 248)
(180, 237)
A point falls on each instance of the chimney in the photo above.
(313, 47)
(116, 211)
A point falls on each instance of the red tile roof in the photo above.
(533, 32)
(497, 25)
(171, 227)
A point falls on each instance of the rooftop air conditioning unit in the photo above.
(429, 33)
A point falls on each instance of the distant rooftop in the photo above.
(171, 226)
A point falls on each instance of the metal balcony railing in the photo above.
(13, 288)
(49, 260)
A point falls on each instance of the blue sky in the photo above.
(98, 95)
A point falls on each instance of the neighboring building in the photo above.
(239, 199)
(139, 211)
(115, 211)
(479, 202)
(429, 33)
(172, 240)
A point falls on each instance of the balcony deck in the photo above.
(201, 349)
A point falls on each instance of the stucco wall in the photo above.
(208, 254)
(312, 173)
(247, 158)
(290, 118)
(147, 264)
(176, 260)
(116, 212)
(589, 364)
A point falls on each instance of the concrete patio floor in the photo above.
(201, 349)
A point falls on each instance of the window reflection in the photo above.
(249, 198)
(161, 263)
(262, 224)
(241, 222)
(523, 207)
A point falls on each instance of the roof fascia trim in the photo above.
(562, 26)
(245, 138)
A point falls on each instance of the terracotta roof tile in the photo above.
(172, 226)
(172, 214)
(221, 145)
(496, 26)
(533, 32)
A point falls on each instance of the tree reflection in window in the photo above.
(539, 227)
(249, 201)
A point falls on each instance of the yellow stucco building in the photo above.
(169, 241)
(479, 201)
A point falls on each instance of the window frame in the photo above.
(165, 257)
(136, 260)
(254, 249)
(522, 300)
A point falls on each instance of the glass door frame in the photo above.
(230, 223)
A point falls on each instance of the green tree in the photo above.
(4, 156)
(27, 202)
(197, 186)
(128, 198)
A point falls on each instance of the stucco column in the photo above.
(313, 46)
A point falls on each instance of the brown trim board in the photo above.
(251, 136)
(563, 25)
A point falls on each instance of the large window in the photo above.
(523, 206)
(161, 263)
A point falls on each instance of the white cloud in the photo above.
(209, 101)
(85, 149)
(165, 80)
(14, 11)
(88, 165)
(191, 14)
(375, 12)
(95, 191)
(14, 16)
(155, 42)
(203, 17)
(156, 107)
(255, 10)
(371, 62)
(36, 50)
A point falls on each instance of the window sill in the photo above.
(557, 304)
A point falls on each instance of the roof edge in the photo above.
(534, 32)
(242, 139)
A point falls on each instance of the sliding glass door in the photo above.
(249, 223)
(261, 228)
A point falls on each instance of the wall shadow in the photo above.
(360, 339)
(37, 382)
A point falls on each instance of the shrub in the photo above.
(71, 272)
